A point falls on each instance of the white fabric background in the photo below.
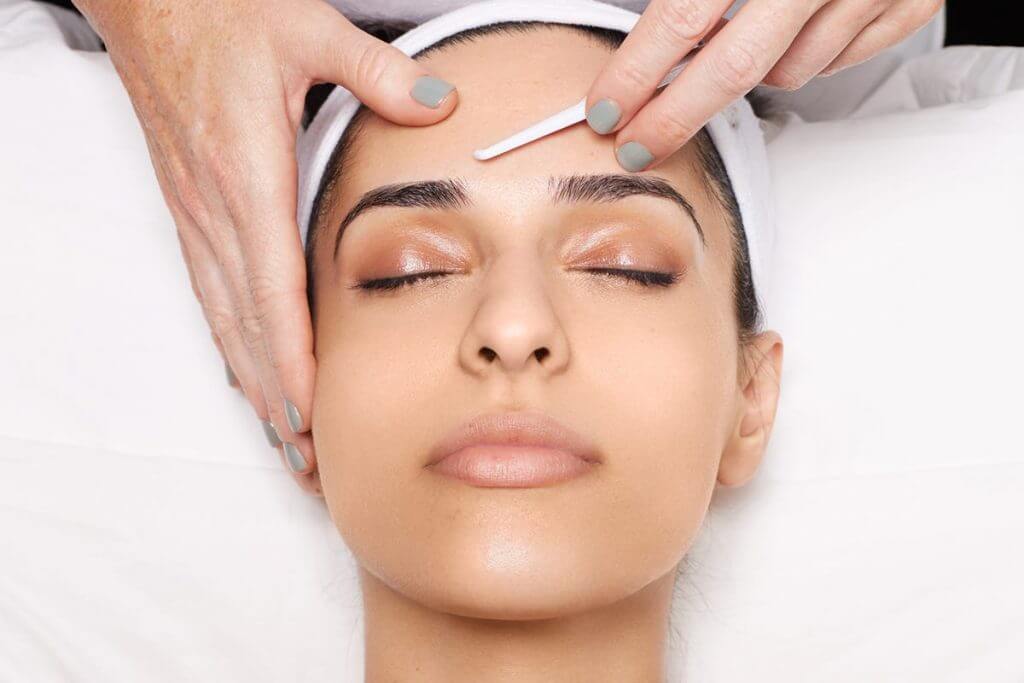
(147, 533)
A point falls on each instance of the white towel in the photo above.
(736, 131)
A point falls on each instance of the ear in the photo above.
(755, 415)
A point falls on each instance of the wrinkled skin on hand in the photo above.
(219, 88)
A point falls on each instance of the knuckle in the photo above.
(673, 127)
(265, 292)
(736, 70)
(250, 328)
(278, 365)
(222, 321)
(684, 20)
(371, 66)
(785, 78)
(633, 77)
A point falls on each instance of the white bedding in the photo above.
(148, 533)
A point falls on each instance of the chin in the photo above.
(482, 595)
(511, 578)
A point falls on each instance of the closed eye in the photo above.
(391, 283)
(644, 278)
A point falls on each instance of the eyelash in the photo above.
(644, 278)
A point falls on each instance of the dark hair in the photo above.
(748, 313)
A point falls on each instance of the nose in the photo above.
(515, 327)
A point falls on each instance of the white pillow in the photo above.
(147, 532)
(881, 538)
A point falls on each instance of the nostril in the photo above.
(488, 353)
(542, 353)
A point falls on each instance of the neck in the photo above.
(623, 642)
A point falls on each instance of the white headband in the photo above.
(736, 132)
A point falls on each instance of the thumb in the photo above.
(381, 76)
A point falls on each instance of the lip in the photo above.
(513, 450)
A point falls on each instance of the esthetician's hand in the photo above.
(219, 87)
(782, 43)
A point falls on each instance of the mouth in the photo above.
(513, 450)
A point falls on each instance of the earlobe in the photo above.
(757, 404)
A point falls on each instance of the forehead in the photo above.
(505, 81)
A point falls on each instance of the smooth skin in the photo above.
(564, 583)
(781, 43)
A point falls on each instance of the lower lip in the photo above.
(512, 466)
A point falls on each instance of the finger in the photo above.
(666, 31)
(221, 315)
(276, 278)
(230, 315)
(229, 374)
(380, 75)
(294, 457)
(184, 223)
(170, 200)
(825, 36)
(212, 289)
(310, 483)
(728, 67)
(888, 29)
(299, 457)
(243, 281)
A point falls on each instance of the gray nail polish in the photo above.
(633, 156)
(232, 380)
(430, 91)
(604, 116)
(293, 455)
(292, 413)
(271, 432)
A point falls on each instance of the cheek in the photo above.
(663, 387)
(380, 373)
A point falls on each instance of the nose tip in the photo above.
(490, 355)
(514, 334)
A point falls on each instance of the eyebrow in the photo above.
(451, 193)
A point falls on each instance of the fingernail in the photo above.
(292, 413)
(604, 116)
(430, 91)
(232, 380)
(271, 432)
(293, 455)
(633, 156)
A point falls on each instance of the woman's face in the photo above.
(651, 375)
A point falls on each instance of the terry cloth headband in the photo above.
(736, 131)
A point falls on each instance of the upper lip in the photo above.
(523, 428)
